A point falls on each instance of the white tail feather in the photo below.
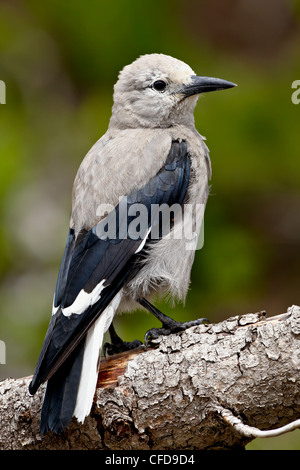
(89, 372)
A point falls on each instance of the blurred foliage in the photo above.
(59, 61)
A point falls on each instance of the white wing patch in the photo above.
(84, 300)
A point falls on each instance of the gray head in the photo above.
(157, 90)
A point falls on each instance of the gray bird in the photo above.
(116, 259)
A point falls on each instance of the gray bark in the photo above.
(171, 397)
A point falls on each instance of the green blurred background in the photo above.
(60, 60)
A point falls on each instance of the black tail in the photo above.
(61, 393)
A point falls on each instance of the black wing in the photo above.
(92, 261)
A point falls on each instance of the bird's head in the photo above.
(157, 90)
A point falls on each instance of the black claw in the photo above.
(107, 349)
(153, 334)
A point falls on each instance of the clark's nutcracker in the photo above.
(151, 156)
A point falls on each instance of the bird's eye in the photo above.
(159, 85)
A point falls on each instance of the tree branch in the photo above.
(213, 386)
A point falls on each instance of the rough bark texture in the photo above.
(169, 397)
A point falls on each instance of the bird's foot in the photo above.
(117, 345)
(110, 349)
(171, 327)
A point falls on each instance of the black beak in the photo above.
(204, 84)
